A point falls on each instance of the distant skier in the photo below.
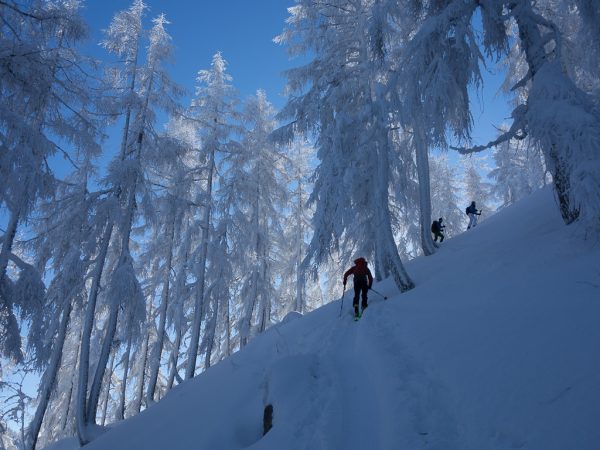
(436, 228)
(472, 213)
(363, 280)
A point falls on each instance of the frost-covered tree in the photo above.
(175, 178)
(59, 420)
(568, 140)
(298, 226)
(223, 272)
(213, 112)
(123, 38)
(556, 114)
(128, 180)
(445, 195)
(435, 57)
(45, 104)
(261, 194)
(14, 406)
(339, 96)
(519, 171)
(219, 293)
(477, 190)
(577, 21)
(66, 239)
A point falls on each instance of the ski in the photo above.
(357, 315)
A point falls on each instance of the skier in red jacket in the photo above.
(363, 280)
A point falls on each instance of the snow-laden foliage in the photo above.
(297, 230)
(565, 124)
(435, 67)
(445, 195)
(260, 188)
(128, 181)
(477, 190)
(338, 95)
(124, 289)
(45, 104)
(213, 113)
(519, 171)
(560, 117)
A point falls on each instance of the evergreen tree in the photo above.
(127, 178)
(45, 103)
(344, 106)
(477, 190)
(436, 57)
(519, 171)
(261, 194)
(566, 139)
(298, 227)
(445, 195)
(174, 207)
(213, 112)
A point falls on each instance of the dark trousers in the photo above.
(360, 286)
(438, 234)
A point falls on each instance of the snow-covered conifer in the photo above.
(555, 113)
(132, 199)
(519, 171)
(298, 227)
(436, 59)
(45, 102)
(445, 195)
(213, 111)
(477, 190)
(261, 194)
(339, 96)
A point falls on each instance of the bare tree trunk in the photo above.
(160, 337)
(49, 379)
(201, 279)
(120, 413)
(83, 420)
(7, 242)
(107, 345)
(299, 303)
(422, 158)
(228, 326)
(173, 359)
(108, 385)
(385, 245)
(246, 331)
(142, 377)
(65, 418)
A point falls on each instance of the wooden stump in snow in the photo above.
(267, 419)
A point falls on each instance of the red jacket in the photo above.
(360, 269)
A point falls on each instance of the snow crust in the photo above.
(496, 348)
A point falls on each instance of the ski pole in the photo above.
(342, 305)
(378, 293)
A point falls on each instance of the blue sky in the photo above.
(242, 30)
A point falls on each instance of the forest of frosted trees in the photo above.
(129, 272)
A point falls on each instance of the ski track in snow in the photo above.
(355, 390)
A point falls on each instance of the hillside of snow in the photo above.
(498, 347)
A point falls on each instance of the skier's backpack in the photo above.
(467, 210)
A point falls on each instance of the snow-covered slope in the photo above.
(498, 347)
